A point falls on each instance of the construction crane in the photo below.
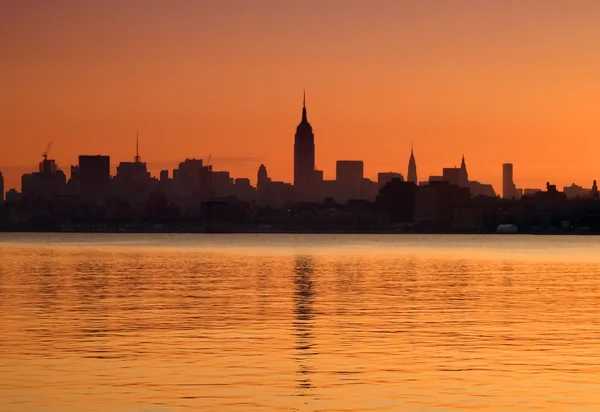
(45, 154)
(208, 160)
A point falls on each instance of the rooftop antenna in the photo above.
(137, 147)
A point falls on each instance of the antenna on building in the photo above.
(137, 148)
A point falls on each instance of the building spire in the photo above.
(304, 119)
(137, 147)
(412, 166)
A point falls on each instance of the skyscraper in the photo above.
(262, 185)
(383, 178)
(304, 158)
(1, 188)
(412, 167)
(349, 179)
(94, 176)
(508, 184)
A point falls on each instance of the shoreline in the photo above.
(303, 232)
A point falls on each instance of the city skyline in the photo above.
(303, 130)
(224, 78)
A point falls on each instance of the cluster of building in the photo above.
(194, 180)
(194, 183)
(511, 192)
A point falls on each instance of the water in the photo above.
(299, 323)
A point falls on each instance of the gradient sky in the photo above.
(500, 81)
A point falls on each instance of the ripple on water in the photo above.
(270, 323)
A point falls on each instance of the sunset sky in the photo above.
(498, 81)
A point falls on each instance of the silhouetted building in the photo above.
(243, 190)
(1, 188)
(192, 181)
(94, 176)
(451, 175)
(47, 166)
(434, 203)
(279, 194)
(550, 197)
(463, 175)
(575, 191)
(594, 192)
(262, 185)
(383, 178)
(164, 176)
(531, 192)
(12, 196)
(329, 189)
(397, 200)
(434, 179)
(49, 182)
(412, 168)
(368, 190)
(133, 172)
(509, 190)
(222, 183)
(165, 184)
(133, 182)
(74, 181)
(457, 176)
(318, 186)
(349, 178)
(481, 189)
(304, 159)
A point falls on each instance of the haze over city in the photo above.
(495, 81)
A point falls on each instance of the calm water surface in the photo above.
(299, 323)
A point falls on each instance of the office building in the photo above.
(383, 178)
(412, 167)
(94, 176)
(349, 178)
(509, 190)
(304, 159)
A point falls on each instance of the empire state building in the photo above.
(304, 159)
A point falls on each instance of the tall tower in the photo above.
(262, 177)
(412, 167)
(463, 177)
(262, 183)
(137, 158)
(508, 184)
(304, 158)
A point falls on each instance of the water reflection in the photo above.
(304, 296)
(45, 279)
(278, 329)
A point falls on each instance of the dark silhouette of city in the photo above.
(195, 198)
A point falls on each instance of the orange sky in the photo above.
(500, 81)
